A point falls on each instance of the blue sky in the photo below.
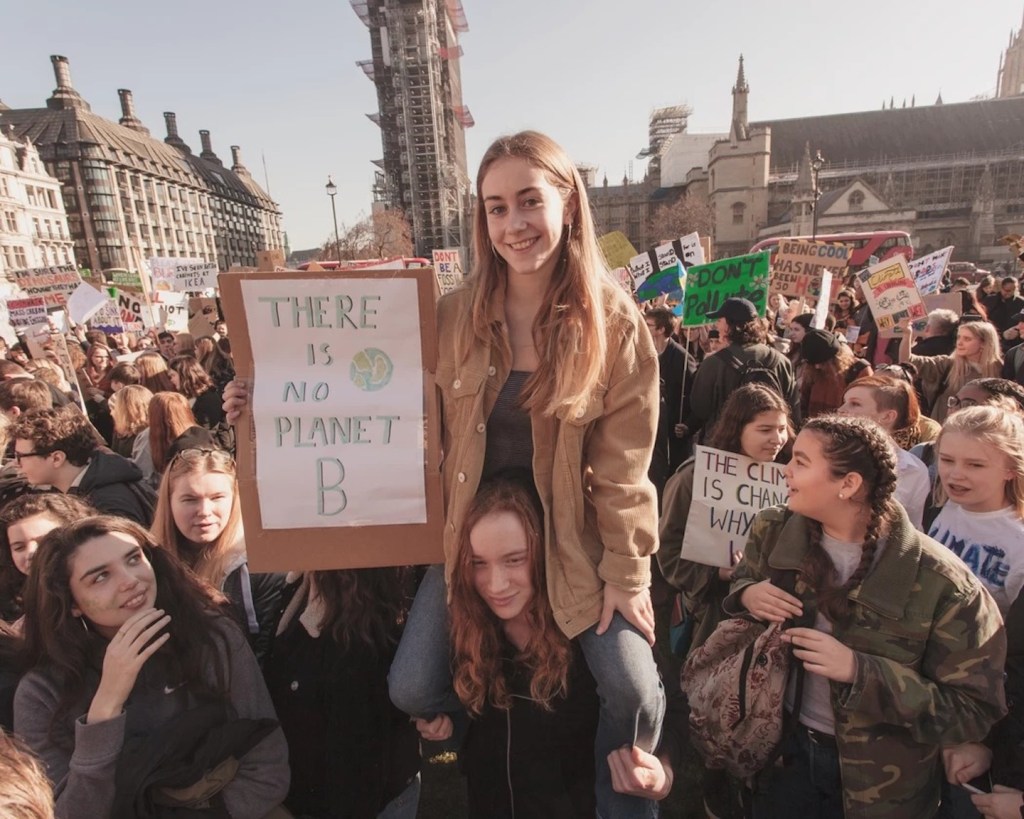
(280, 80)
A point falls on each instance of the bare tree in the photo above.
(688, 214)
(384, 234)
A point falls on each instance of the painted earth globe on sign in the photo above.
(371, 369)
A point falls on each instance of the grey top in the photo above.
(509, 431)
(83, 778)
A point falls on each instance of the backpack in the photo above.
(736, 686)
(756, 372)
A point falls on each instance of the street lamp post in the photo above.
(332, 191)
(816, 165)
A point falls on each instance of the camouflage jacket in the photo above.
(930, 650)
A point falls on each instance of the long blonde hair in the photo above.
(209, 560)
(129, 409)
(571, 323)
(990, 362)
(1002, 430)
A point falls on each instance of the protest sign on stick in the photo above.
(617, 249)
(54, 284)
(26, 312)
(85, 302)
(709, 285)
(343, 471)
(891, 294)
(448, 269)
(728, 491)
(182, 275)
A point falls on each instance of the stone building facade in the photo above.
(129, 195)
(33, 225)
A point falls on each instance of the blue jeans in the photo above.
(808, 785)
(628, 683)
(405, 805)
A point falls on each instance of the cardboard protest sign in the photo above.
(84, 302)
(928, 270)
(798, 265)
(135, 313)
(728, 491)
(693, 250)
(939, 301)
(182, 275)
(448, 269)
(173, 310)
(26, 312)
(709, 285)
(344, 418)
(272, 259)
(891, 294)
(202, 316)
(617, 249)
(669, 283)
(54, 284)
(107, 318)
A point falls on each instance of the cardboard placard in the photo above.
(202, 316)
(798, 265)
(617, 248)
(54, 284)
(26, 312)
(891, 294)
(709, 285)
(448, 269)
(928, 270)
(182, 275)
(729, 490)
(107, 318)
(334, 476)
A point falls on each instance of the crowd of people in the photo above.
(146, 671)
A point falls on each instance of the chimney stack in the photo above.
(128, 118)
(207, 152)
(236, 160)
(64, 95)
(172, 138)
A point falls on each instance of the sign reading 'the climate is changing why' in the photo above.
(337, 401)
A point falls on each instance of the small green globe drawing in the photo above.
(371, 369)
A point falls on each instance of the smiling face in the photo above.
(201, 504)
(974, 474)
(813, 489)
(526, 215)
(501, 566)
(844, 302)
(110, 580)
(24, 536)
(764, 436)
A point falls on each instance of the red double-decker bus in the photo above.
(883, 244)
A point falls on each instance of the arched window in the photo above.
(855, 201)
(738, 212)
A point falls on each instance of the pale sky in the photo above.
(280, 80)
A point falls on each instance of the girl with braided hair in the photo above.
(898, 661)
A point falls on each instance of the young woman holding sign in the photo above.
(546, 364)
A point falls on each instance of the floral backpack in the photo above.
(736, 686)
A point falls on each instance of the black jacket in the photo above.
(114, 485)
(256, 601)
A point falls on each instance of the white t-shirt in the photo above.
(990, 543)
(912, 485)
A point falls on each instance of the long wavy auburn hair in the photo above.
(208, 560)
(56, 642)
(364, 606)
(1000, 429)
(571, 323)
(477, 633)
(859, 445)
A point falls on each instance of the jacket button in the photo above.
(462, 477)
(481, 427)
(492, 370)
(457, 383)
(580, 412)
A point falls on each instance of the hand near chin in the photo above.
(126, 653)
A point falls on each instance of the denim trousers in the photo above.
(807, 785)
(628, 684)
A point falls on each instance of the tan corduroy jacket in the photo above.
(600, 510)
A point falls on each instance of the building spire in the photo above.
(805, 175)
(738, 130)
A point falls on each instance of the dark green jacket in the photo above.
(930, 651)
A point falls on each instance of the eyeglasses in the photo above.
(19, 455)
(960, 403)
(894, 371)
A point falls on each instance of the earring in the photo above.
(842, 496)
(85, 625)
(568, 233)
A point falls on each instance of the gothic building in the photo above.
(129, 195)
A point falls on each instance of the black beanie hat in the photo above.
(819, 346)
